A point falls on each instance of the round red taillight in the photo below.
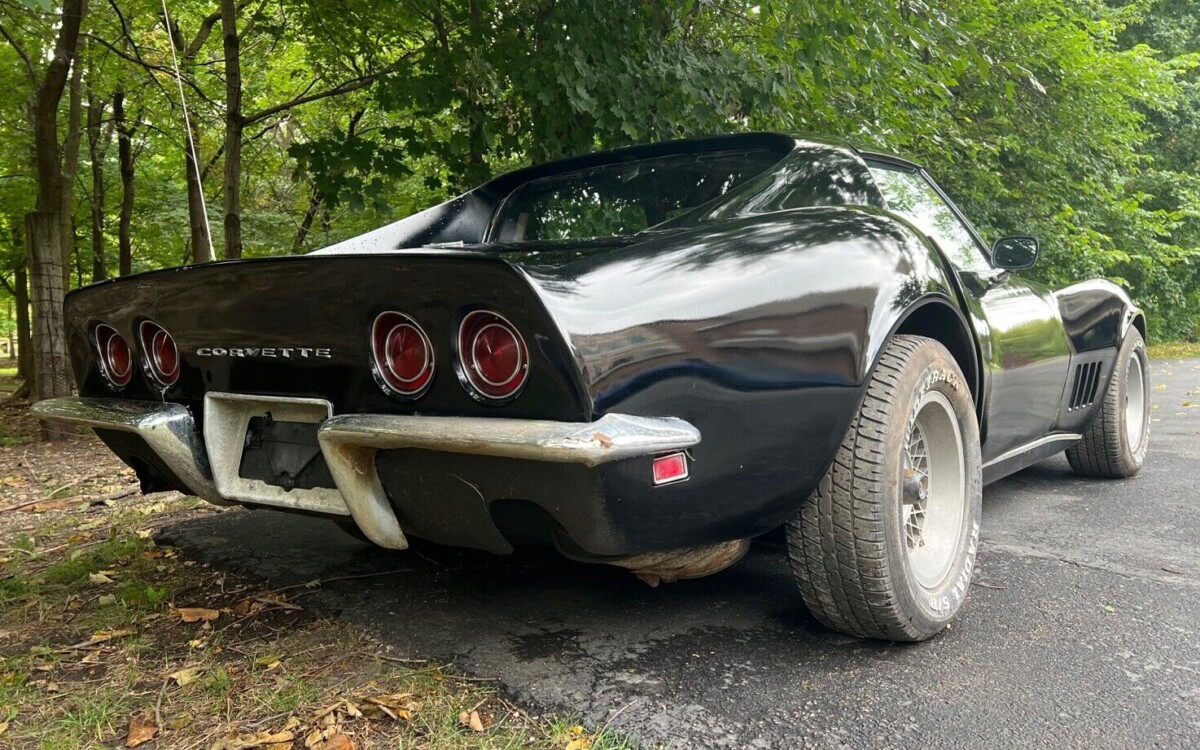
(162, 356)
(493, 356)
(116, 359)
(403, 356)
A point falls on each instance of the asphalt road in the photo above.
(1083, 629)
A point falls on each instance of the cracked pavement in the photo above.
(1083, 628)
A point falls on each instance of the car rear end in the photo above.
(421, 392)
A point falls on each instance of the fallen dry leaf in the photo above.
(99, 578)
(395, 705)
(3, 727)
(179, 721)
(471, 720)
(268, 662)
(326, 715)
(104, 635)
(66, 502)
(339, 741)
(186, 675)
(141, 731)
(315, 740)
(258, 739)
(196, 614)
(579, 743)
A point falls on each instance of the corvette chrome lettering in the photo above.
(268, 352)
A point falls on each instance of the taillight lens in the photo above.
(403, 355)
(162, 356)
(493, 356)
(116, 359)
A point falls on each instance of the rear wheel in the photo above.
(885, 547)
(1114, 443)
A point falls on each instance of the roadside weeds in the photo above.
(108, 639)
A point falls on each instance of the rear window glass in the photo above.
(615, 200)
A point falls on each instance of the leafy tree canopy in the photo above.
(1075, 120)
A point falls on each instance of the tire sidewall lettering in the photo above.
(939, 605)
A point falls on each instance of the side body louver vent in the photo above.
(1087, 381)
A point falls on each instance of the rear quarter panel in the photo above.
(1096, 315)
(760, 331)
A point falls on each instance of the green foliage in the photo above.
(1075, 120)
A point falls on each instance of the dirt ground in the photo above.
(108, 639)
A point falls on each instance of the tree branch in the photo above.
(33, 77)
(125, 32)
(345, 87)
(202, 34)
(151, 66)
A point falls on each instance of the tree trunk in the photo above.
(197, 219)
(200, 238)
(125, 160)
(24, 348)
(96, 149)
(21, 289)
(314, 205)
(70, 162)
(44, 226)
(50, 361)
(233, 130)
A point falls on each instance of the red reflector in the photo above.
(672, 468)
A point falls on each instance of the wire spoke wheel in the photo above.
(933, 490)
(885, 545)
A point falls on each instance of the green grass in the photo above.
(89, 717)
(75, 571)
(292, 694)
(1174, 350)
(58, 697)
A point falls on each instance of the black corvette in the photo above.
(644, 357)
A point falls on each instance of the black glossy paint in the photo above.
(757, 318)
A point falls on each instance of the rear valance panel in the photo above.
(300, 326)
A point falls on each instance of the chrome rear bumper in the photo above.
(349, 443)
(168, 430)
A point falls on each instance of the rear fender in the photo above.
(759, 331)
(1097, 314)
